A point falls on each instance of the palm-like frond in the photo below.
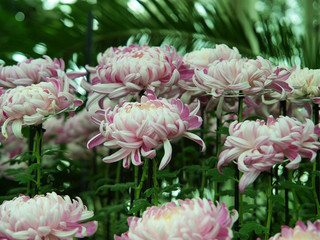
(185, 24)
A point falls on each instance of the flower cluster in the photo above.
(300, 231)
(32, 71)
(45, 217)
(140, 127)
(189, 219)
(258, 145)
(29, 105)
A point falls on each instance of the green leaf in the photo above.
(251, 226)
(24, 178)
(291, 185)
(116, 187)
(33, 167)
(149, 192)
(139, 205)
(15, 171)
(52, 152)
(278, 200)
(166, 174)
(228, 173)
(316, 173)
(251, 193)
(101, 214)
(195, 168)
(223, 130)
(171, 188)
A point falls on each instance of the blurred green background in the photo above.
(286, 31)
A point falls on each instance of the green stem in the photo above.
(295, 198)
(116, 199)
(316, 165)
(238, 198)
(118, 173)
(203, 182)
(30, 148)
(36, 153)
(240, 206)
(218, 150)
(315, 195)
(155, 182)
(269, 208)
(143, 178)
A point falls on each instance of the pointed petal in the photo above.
(122, 153)
(16, 128)
(96, 140)
(167, 154)
(195, 138)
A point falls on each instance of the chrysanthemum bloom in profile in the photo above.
(249, 76)
(45, 217)
(305, 83)
(295, 139)
(257, 146)
(29, 105)
(138, 128)
(201, 59)
(129, 70)
(311, 231)
(32, 71)
(194, 219)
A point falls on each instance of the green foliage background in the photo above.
(255, 27)
(81, 30)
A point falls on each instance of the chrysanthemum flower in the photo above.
(305, 83)
(128, 70)
(202, 58)
(32, 71)
(45, 217)
(249, 76)
(257, 146)
(295, 139)
(29, 105)
(299, 232)
(139, 128)
(193, 219)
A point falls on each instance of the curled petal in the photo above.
(167, 154)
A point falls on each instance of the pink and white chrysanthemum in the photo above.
(249, 76)
(311, 231)
(45, 217)
(29, 105)
(257, 146)
(32, 71)
(129, 70)
(296, 140)
(138, 128)
(202, 58)
(306, 83)
(194, 219)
